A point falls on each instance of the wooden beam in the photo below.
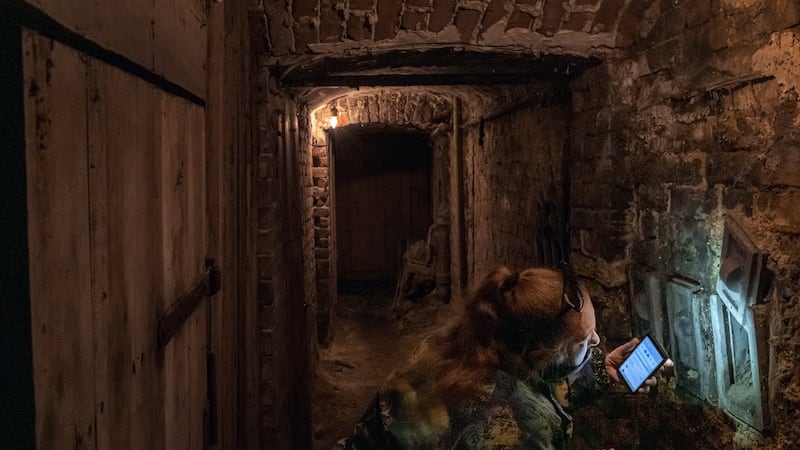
(450, 79)
(446, 66)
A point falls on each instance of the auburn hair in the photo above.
(508, 320)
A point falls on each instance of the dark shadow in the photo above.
(383, 199)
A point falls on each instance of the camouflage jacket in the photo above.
(509, 414)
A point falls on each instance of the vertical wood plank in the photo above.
(184, 247)
(141, 230)
(173, 210)
(222, 313)
(364, 236)
(180, 42)
(109, 333)
(459, 261)
(60, 272)
(197, 378)
(197, 252)
(197, 184)
(381, 203)
(393, 189)
(342, 227)
(126, 240)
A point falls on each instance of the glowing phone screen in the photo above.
(645, 359)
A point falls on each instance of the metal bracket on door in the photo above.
(179, 312)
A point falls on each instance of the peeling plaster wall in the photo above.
(514, 182)
(702, 122)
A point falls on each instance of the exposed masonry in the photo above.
(300, 26)
(383, 107)
(283, 293)
(666, 144)
(270, 293)
(514, 187)
(699, 123)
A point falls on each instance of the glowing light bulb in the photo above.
(334, 120)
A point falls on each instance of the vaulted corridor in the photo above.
(226, 222)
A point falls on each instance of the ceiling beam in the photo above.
(354, 81)
(431, 68)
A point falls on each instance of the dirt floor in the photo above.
(369, 343)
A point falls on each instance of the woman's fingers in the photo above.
(628, 347)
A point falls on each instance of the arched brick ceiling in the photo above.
(357, 43)
(422, 109)
(581, 27)
(425, 106)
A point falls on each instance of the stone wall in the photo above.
(514, 182)
(323, 238)
(699, 124)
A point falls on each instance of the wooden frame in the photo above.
(740, 270)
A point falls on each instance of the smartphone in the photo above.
(642, 363)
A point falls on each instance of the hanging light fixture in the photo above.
(334, 119)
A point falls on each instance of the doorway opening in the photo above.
(382, 179)
(383, 201)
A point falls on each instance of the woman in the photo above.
(485, 381)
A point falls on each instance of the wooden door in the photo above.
(383, 199)
(117, 232)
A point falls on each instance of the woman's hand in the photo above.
(617, 357)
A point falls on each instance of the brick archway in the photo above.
(413, 109)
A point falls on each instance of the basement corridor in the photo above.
(182, 222)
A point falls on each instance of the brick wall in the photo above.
(701, 123)
(385, 107)
(269, 292)
(285, 272)
(514, 192)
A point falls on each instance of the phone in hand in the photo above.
(642, 363)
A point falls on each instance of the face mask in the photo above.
(562, 370)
